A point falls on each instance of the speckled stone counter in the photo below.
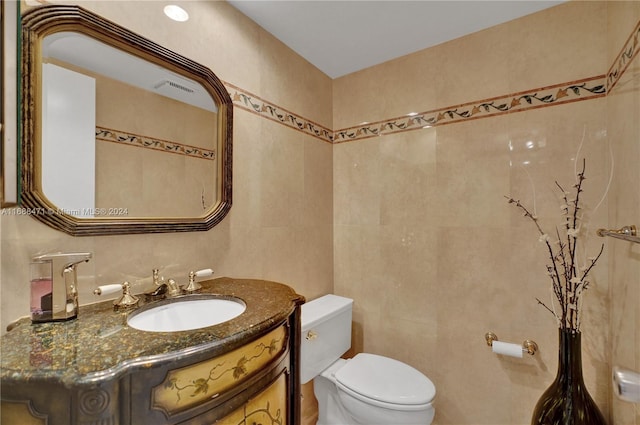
(99, 345)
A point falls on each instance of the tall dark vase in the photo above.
(567, 401)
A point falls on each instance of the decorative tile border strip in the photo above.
(574, 91)
(130, 139)
(546, 96)
(254, 104)
(624, 58)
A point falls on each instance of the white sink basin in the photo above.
(185, 314)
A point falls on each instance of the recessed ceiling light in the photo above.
(176, 13)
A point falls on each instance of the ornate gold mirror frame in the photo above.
(46, 20)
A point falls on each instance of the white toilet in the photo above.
(367, 389)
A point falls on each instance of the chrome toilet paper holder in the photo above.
(528, 346)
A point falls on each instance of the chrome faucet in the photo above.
(64, 292)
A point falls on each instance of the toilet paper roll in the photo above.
(506, 349)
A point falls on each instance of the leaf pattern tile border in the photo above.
(558, 94)
(148, 142)
(518, 102)
(628, 52)
(255, 104)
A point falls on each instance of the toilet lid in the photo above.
(387, 380)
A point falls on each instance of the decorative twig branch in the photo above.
(568, 283)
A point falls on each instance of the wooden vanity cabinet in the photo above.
(257, 379)
(249, 378)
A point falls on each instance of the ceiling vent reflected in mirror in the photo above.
(88, 53)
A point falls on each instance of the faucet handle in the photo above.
(108, 289)
(127, 300)
(203, 273)
(193, 285)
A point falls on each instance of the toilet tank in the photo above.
(326, 334)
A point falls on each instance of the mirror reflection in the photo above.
(119, 134)
(130, 137)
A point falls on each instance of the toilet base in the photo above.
(330, 409)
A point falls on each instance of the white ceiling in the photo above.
(341, 36)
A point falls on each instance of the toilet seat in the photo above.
(376, 403)
(385, 382)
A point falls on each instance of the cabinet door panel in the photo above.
(270, 406)
(199, 383)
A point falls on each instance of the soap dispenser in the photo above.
(54, 294)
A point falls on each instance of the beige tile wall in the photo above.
(623, 130)
(417, 216)
(420, 215)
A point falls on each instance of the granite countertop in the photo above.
(99, 344)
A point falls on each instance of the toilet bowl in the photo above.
(368, 389)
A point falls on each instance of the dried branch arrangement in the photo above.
(569, 279)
